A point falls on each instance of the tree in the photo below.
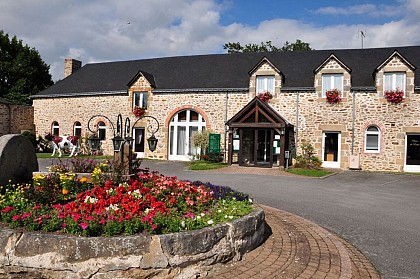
(267, 46)
(22, 71)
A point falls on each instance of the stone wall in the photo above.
(15, 118)
(66, 111)
(179, 255)
(4, 119)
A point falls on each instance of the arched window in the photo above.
(55, 129)
(181, 129)
(77, 129)
(101, 130)
(372, 139)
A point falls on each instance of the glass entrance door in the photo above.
(331, 149)
(255, 147)
(412, 154)
(263, 147)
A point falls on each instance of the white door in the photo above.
(138, 143)
(412, 153)
(181, 129)
(331, 149)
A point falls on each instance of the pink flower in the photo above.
(7, 209)
(84, 226)
(154, 227)
(26, 215)
(16, 217)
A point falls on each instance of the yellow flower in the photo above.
(83, 179)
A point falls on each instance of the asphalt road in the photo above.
(378, 213)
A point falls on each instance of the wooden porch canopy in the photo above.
(258, 114)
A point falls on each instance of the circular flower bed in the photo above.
(104, 204)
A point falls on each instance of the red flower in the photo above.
(84, 226)
(333, 96)
(394, 96)
(139, 111)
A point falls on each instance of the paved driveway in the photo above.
(378, 213)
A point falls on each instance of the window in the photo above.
(140, 99)
(265, 83)
(183, 126)
(55, 129)
(372, 139)
(392, 81)
(101, 130)
(77, 129)
(331, 81)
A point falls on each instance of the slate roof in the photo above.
(3, 101)
(224, 71)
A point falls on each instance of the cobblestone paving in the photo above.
(298, 248)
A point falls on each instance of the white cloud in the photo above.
(365, 9)
(108, 30)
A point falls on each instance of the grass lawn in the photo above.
(203, 165)
(309, 172)
(48, 155)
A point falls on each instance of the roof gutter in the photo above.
(80, 94)
(194, 90)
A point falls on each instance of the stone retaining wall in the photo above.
(179, 255)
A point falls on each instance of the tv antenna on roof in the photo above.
(362, 35)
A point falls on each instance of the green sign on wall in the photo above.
(214, 143)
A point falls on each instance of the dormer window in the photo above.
(394, 81)
(331, 81)
(265, 83)
(140, 99)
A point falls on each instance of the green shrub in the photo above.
(307, 160)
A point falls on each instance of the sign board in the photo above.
(214, 143)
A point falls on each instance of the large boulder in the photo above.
(17, 159)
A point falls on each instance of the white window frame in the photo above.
(77, 125)
(265, 84)
(393, 81)
(373, 133)
(332, 84)
(140, 99)
(55, 126)
(102, 129)
(174, 125)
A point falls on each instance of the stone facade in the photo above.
(15, 119)
(304, 108)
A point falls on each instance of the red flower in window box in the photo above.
(265, 96)
(394, 96)
(333, 96)
(139, 111)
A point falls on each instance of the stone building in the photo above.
(360, 128)
(14, 119)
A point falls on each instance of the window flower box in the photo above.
(139, 111)
(394, 96)
(333, 96)
(265, 96)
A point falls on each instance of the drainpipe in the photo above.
(297, 120)
(226, 115)
(353, 115)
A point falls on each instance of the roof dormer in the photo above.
(332, 74)
(265, 77)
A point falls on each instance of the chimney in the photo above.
(70, 66)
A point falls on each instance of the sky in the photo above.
(110, 30)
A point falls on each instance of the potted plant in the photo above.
(333, 96)
(139, 111)
(394, 96)
(265, 96)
